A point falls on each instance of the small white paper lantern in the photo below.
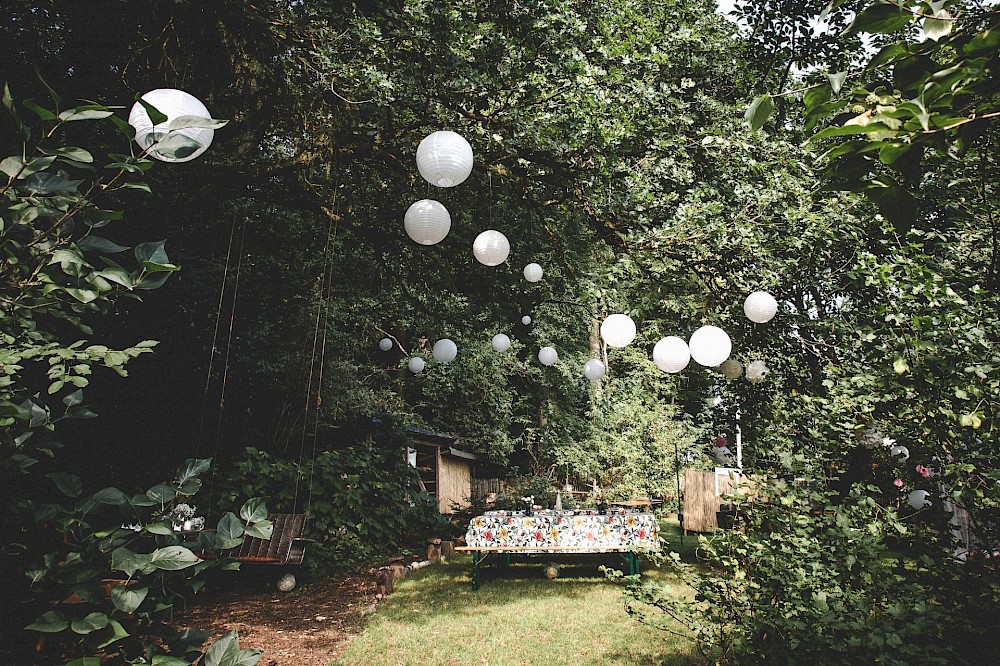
(710, 346)
(427, 221)
(179, 145)
(547, 355)
(416, 365)
(593, 369)
(500, 342)
(444, 159)
(533, 272)
(918, 499)
(731, 368)
(760, 307)
(618, 330)
(757, 371)
(385, 344)
(671, 354)
(901, 452)
(445, 350)
(491, 248)
(525, 320)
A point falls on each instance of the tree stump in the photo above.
(434, 550)
(447, 549)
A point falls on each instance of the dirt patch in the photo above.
(308, 626)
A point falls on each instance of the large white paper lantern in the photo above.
(526, 320)
(416, 365)
(533, 272)
(445, 350)
(918, 499)
(177, 145)
(500, 342)
(757, 371)
(593, 369)
(444, 159)
(385, 344)
(760, 307)
(671, 354)
(710, 346)
(731, 368)
(491, 248)
(427, 221)
(618, 330)
(547, 355)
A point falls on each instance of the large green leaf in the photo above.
(226, 652)
(263, 529)
(758, 112)
(113, 633)
(172, 558)
(123, 559)
(100, 244)
(68, 484)
(49, 622)
(161, 493)
(91, 622)
(880, 18)
(254, 510)
(111, 496)
(191, 468)
(152, 251)
(230, 528)
(127, 599)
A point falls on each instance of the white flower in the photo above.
(888, 442)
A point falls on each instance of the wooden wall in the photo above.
(454, 484)
(700, 500)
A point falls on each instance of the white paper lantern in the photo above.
(671, 354)
(385, 344)
(444, 159)
(533, 272)
(757, 371)
(618, 330)
(547, 355)
(918, 499)
(416, 365)
(445, 350)
(427, 221)
(710, 346)
(525, 320)
(901, 452)
(177, 145)
(501, 342)
(593, 369)
(760, 307)
(491, 248)
(731, 368)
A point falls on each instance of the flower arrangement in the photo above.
(182, 518)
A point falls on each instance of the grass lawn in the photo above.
(517, 618)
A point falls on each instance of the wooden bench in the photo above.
(481, 553)
(286, 545)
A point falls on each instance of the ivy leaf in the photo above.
(758, 112)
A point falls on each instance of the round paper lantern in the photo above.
(179, 145)
(525, 320)
(593, 370)
(427, 221)
(757, 371)
(416, 365)
(918, 499)
(286, 583)
(385, 344)
(547, 355)
(710, 346)
(671, 354)
(901, 452)
(444, 159)
(501, 342)
(491, 248)
(618, 330)
(533, 272)
(760, 307)
(445, 350)
(731, 368)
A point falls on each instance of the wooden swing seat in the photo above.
(286, 545)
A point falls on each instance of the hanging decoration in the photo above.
(445, 350)
(757, 371)
(594, 370)
(444, 159)
(547, 355)
(173, 145)
(416, 365)
(491, 248)
(385, 344)
(500, 342)
(427, 221)
(525, 320)
(721, 453)
(918, 499)
(901, 452)
(710, 346)
(618, 330)
(731, 368)
(671, 354)
(760, 307)
(533, 272)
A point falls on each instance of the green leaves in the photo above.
(226, 652)
(758, 112)
(254, 510)
(172, 558)
(49, 622)
(880, 18)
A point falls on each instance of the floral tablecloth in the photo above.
(563, 529)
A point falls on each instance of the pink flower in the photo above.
(898, 483)
(923, 471)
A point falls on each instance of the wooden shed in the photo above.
(446, 473)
